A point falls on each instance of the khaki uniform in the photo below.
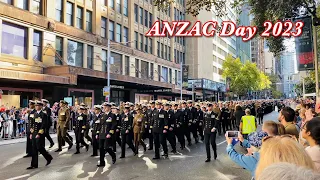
(62, 126)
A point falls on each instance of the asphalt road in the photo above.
(187, 164)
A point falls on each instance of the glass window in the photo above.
(170, 75)
(150, 20)
(104, 59)
(79, 17)
(159, 73)
(126, 35)
(136, 40)
(136, 13)
(89, 21)
(158, 49)
(69, 14)
(175, 56)
(7, 1)
(141, 15)
(103, 27)
(175, 77)
(169, 53)
(146, 18)
(59, 50)
(111, 3)
(144, 70)
(14, 40)
(118, 6)
(165, 51)
(111, 30)
(150, 45)
(59, 10)
(75, 53)
(103, 2)
(137, 67)
(23, 4)
(146, 44)
(118, 30)
(116, 67)
(162, 50)
(125, 7)
(37, 46)
(141, 42)
(90, 57)
(151, 71)
(127, 65)
(36, 6)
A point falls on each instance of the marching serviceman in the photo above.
(126, 127)
(47, 110)
(209, 127)
(186, 123)
(89, 118)
(160, 124)
(116, 138)
(171, 124)
(62, 125)
(79, 127)
(106, 131)
(178, 121)
(199, 120)
(96, 121)
(192, 121)
(28, 127)
(138, 129)
(150, 124)
(37, 128)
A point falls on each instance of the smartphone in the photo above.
(232, 134)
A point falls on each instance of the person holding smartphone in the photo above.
(209, 127)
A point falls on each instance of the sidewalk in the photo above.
(24, 139)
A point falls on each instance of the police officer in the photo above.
(171, 125)
(160, 126)
(47, 110)
(106, 131)
(37, 128)
(79, 128)
(209, 127)
(28, 127)
(150, 113)
(116, 138)
(96, 121)
(199, 120)
(126, 127)
(62, 125)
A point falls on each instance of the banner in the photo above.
(304, 46)
(185, 74)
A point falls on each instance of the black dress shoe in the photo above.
(150, 149)
(26, 156)
(49, 161)
(87, 148)
(77, 152)
(70, 146)
(189, 144)
(114, 160)
(208, 160)
(174, 151)
(145, 148)
(215, 157)
(31, 167)
(51, 145)
(156, 158)
(121, 157)
(165, 155)
(101, 165)
(58, 150)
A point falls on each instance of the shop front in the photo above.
(18, 97)
(211, 90)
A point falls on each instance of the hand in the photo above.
(171, 129)
(189, 124)
(127, 131)
(150, 131)
(30, 136)
(97, 136)
(37, 136)
(178, 125)
(229, 140)
(240, 137)
(200, 124)
(108, 136)
(117, 130)
(146, 126)
(213, 129)
(164, 131)
(82, 131)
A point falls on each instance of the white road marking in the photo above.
(19, 177)
(174, 157)
(12, 160)
(188, 149)
(149, 163)
(222, 142)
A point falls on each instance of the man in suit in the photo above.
(96, 121)
(160, 124)
(79, 127)
(199, 121)
(47, 110)
(187, 120)
(150, 113)
(171, 124)
(37, 128)
(178, 121)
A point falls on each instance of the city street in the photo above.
(188, 164)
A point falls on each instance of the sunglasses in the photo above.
(281, 136)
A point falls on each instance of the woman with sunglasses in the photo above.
(311, 132)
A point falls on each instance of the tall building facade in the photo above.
(288, 69)
(243, 49)
(58, 49)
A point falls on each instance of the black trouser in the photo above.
(79, 139)
(116, 139)
(159, 138)
(171, 138)
(150, 139)
(186, 133)
(224, 125)
(47, 135)
(38, 146)
(210, 139)
(104, 147)
(126, 138)
(219, 126)
(193, 130)
(200, 131)
(29, 143)
(179, 133)
(260, 115)
(229, 126)
(86, 134)
(233, 122)
(95, 145)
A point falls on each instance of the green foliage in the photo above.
(244, 77)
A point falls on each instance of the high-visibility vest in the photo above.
(248, 124)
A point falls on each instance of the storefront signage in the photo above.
(304, 46)
(197, 83)
(106, 91)
(155, 90)
(116, 87)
